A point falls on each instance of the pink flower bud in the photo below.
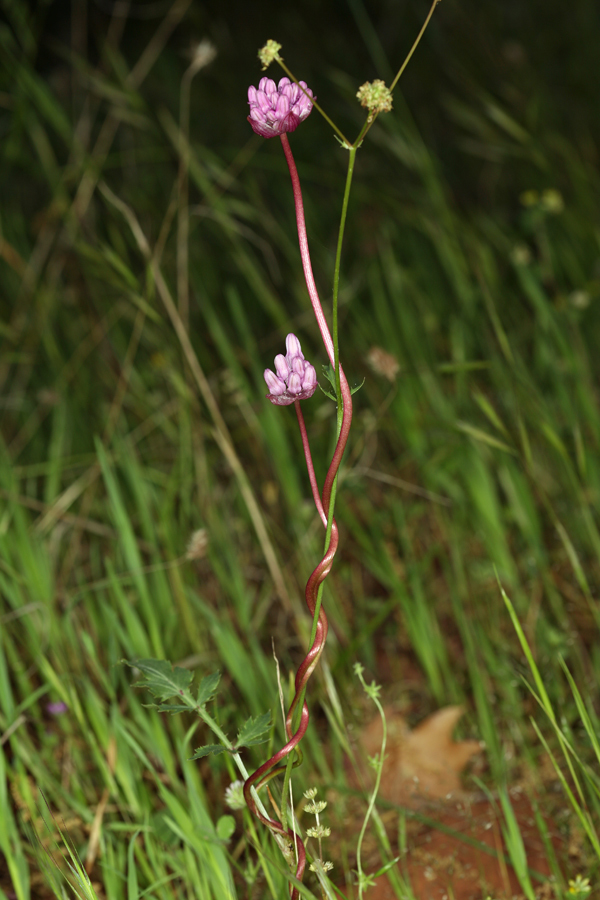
(276, 109)
(296, 379)
(281, 366)
(294, 384)
(292, 345)
(309, 382)
(276, 385)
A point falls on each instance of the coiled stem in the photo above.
(324, 507)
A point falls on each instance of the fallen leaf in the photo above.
(463, 855)
(425, 763)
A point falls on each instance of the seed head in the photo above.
(383, 363)
(197, 544)
(202, 54)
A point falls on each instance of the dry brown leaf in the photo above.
(425, 763)
(422, 770)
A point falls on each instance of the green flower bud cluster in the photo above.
(318, 832)
(268, 53)
(375, 97)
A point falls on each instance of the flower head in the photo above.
(324, 866)
(295, 378)
(197, 544)
(234, 795)
(57, 708)
(202, 54)
(275, 109)
(268, 53)
(375, 96)
(579, 886)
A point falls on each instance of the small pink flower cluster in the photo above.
(275, 109)
(296, 379)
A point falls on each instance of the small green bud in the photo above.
(373, 690)
(315, 807)
(318, 832)
(520, 255)
(529, 197)
(323, 866)
(552, 201)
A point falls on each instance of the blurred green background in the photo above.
(149, 272)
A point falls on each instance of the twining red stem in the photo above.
(321, 321)
(271, 767)
(309, 463)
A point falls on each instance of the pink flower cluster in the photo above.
(275, 109)
(296, 379)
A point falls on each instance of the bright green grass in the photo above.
(477, 467)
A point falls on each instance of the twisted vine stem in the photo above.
(313, 590)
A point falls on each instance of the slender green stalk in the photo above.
(371, 118)
(319, 109)
(415, 45)
(336, 292)
(372, 691)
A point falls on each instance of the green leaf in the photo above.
(158, 823)
(387, 866)
(208, 750)
(167, 707)
(254, 731)
(328, 373)
(208, 687)
(479, 435)
(225, 827)
(132, 880)
(160, 678)
(328, 393)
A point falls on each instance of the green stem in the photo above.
(319, 109)
(371, 118)
(415, 45)
(336, 292)
(371, 692)
(216, 730)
